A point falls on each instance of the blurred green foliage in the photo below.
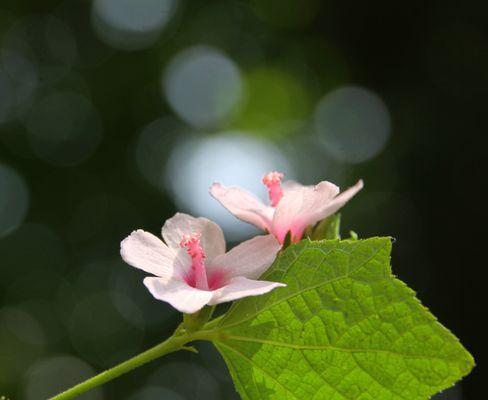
(79, 83)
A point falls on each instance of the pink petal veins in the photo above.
(243, 205)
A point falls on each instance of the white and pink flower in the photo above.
(293, 207)
(192, 268)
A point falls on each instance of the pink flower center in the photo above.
(198, 275)
(272, 180)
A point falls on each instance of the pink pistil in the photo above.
(192, 244)
(272, 180)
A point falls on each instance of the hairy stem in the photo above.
(172, 344)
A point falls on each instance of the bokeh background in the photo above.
(116, 113)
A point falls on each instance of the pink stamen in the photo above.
(193, 247)
(272, 180)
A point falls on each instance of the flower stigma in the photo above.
(198, 275)
(272, 181)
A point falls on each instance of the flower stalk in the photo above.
(174, 343)
(193, 322)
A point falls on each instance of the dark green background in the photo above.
(64, 291)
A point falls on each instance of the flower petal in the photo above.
(243, 205)
(212, 237)
(337, 202)
(240, 287)
(248, 259)
(147, 252)
(290, 185)
(291, 210)
(179, 294)
(307, 205)
(327, 190)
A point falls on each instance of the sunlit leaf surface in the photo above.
(343, 328)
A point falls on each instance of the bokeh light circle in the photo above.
(277, 103)
(129, 24)
(6, 95)
(153, 147)
(65, 129)
(54, 375)
(176, 375)
(128, 281)
(14, 199)
(20, 82)
(26, 328)
(98, 216)
(352, 123)
(106, 336)
(203, 86)
(233, 159)
(154, 393)
(36, 246)
(92, 51)
(22, 341)
(46, 42)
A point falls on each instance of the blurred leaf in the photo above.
(344, 327)
(328, 228)
(277, 103)
(353, 235)
(286, 13)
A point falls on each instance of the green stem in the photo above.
(172, 344)
(193, 322)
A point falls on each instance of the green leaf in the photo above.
(328, 228)
(353, 235)
(343, 328)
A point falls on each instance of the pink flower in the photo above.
(192, 268)
(292, 207)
